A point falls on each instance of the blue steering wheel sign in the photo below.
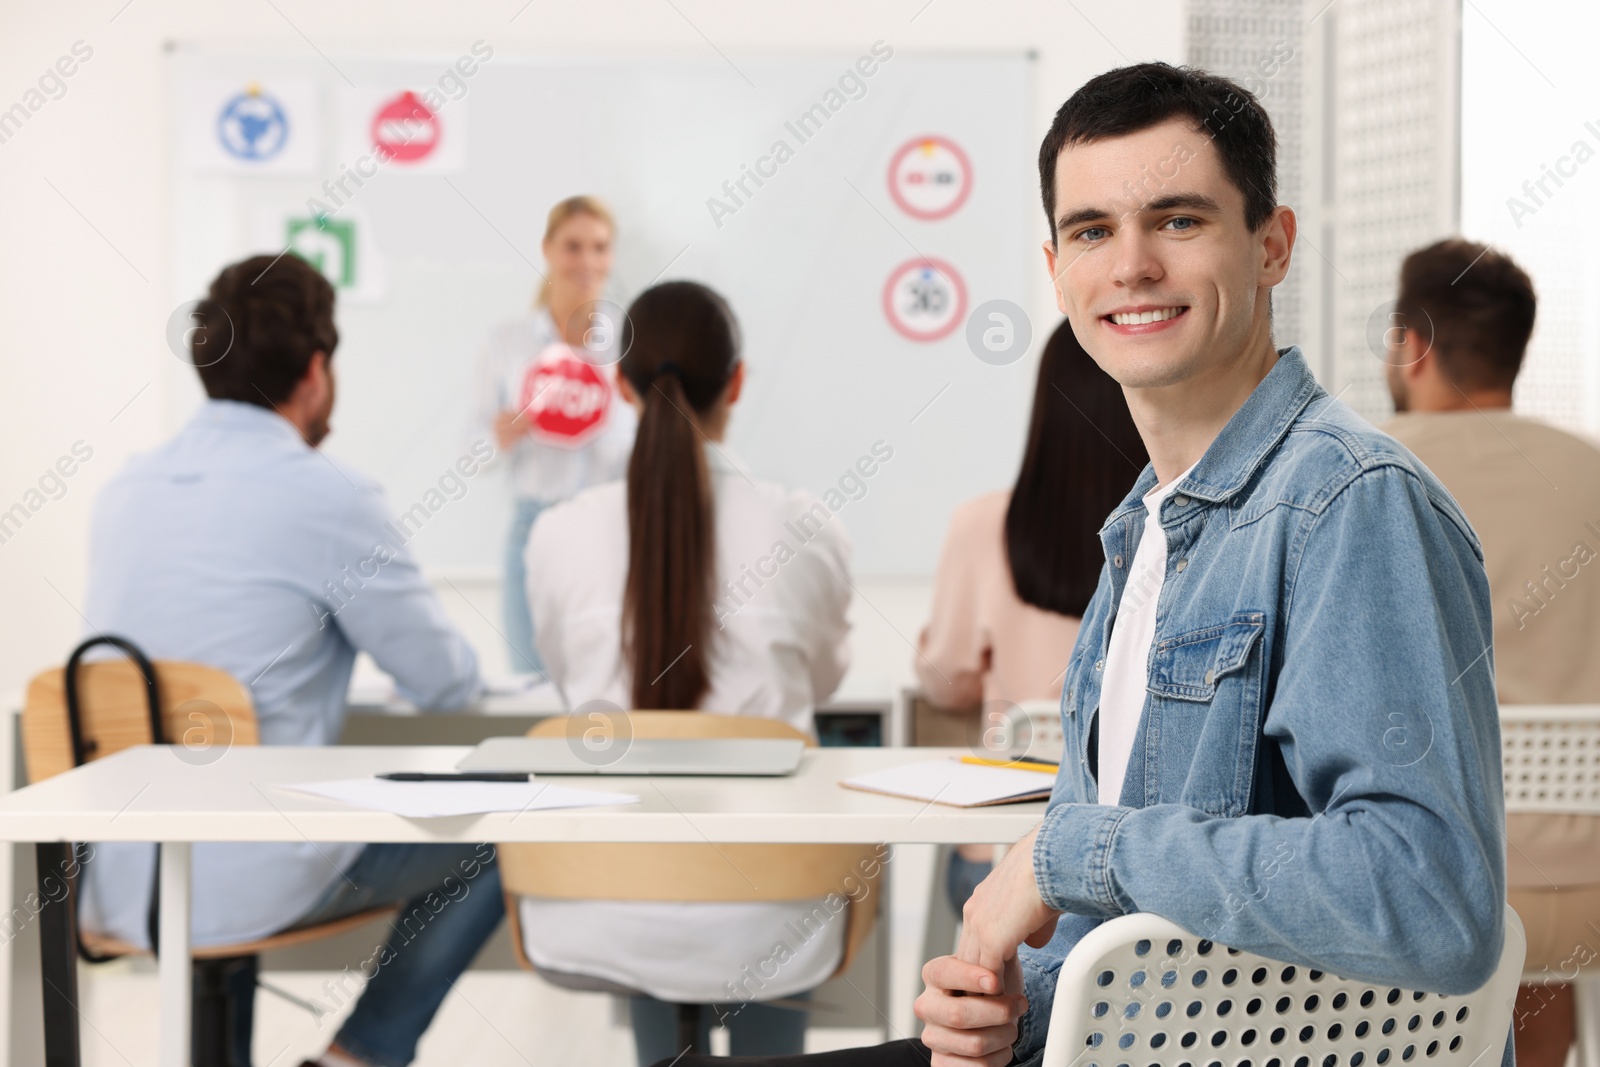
(253, 127)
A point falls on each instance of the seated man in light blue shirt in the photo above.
(239, 545)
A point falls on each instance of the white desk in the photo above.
(149, 794)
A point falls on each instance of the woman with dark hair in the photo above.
(1019, 566)
(687, 587)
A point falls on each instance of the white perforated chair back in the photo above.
(1551, 757)
(1045, 737)
(1139, 991)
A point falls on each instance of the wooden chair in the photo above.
(690, 872)
(135, 701)
(1141, 990)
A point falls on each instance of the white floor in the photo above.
(493, 1018)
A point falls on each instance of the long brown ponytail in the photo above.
(682, 344)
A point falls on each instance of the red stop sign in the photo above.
(564, 398)
(405, 128)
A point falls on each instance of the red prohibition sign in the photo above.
(564, 399)
(947, 307)
(928, 146)
(406, 129)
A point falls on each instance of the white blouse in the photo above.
(783, 590)
(783, 582)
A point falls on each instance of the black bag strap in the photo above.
(81, 753)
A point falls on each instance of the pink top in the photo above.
(982, 642)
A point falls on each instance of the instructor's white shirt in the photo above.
(547, 466)
(783, 584)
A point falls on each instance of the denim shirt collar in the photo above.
(1244, 443)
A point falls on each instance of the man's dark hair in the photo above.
(268, 316)
(1472, 306)
(1130, 99)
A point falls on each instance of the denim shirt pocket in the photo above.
(1206, 689)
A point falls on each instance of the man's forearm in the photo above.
(1345, 891)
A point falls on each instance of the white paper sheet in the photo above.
(429, 800)
(510, 685)
(949, 781)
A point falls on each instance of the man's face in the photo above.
(1150, 227)
(1405, 346)
(321, 423)
(1396, 358)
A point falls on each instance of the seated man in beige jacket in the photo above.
(1532, 492)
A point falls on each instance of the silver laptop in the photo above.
(723, 756)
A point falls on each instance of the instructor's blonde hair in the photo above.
(571, 208)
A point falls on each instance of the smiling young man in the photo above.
(1279, 712)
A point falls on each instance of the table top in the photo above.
(163, 793)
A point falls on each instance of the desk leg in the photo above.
(173, 967)
(915, 889)
(58, 956)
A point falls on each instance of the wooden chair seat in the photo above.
(693, 872)
(110, 946)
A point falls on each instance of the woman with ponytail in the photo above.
(691, 586)
(546, 395)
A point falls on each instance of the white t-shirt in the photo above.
(1127, 668)
(783, 590)
(581, 431)
(688, 952)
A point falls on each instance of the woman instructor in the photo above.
(546, 391)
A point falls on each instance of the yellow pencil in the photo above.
(1016, 765)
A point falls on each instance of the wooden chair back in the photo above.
(201, 707)
(694, 872)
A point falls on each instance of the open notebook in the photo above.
(961, 785)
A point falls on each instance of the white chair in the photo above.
(1139, 991)
(1046, 740)
(1551, 759)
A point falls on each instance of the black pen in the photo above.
(457, 776)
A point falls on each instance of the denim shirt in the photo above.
(1316, 773)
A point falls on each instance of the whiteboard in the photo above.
(803, 259)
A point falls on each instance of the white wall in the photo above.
(85, 215)
(1518, 129)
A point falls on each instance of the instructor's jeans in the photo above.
(450, 903)
(514, 596)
